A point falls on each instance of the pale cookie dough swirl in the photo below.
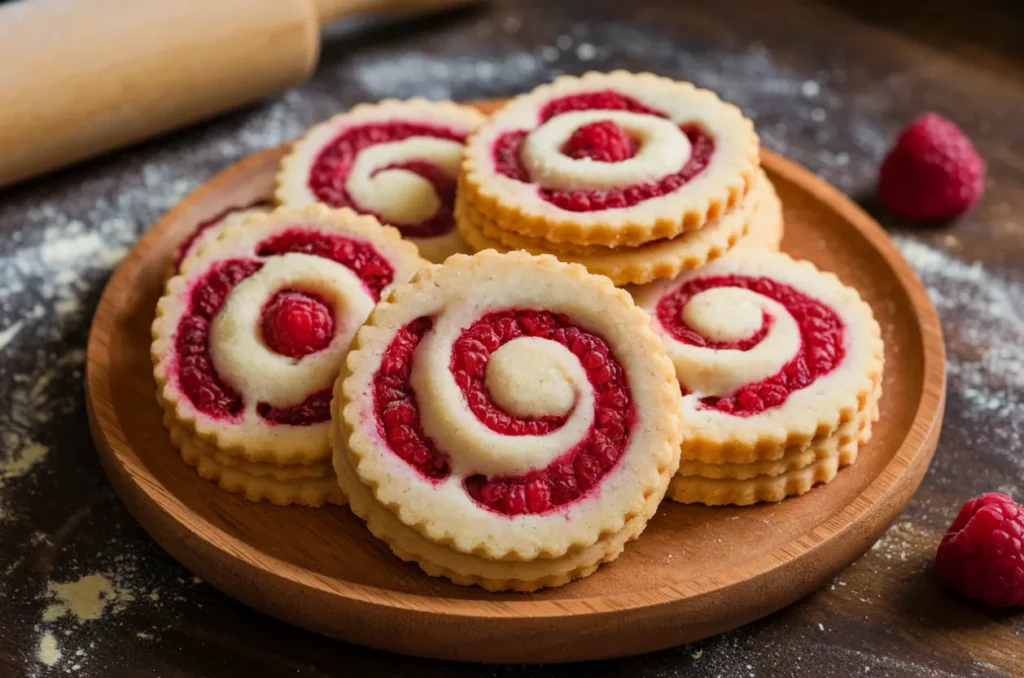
(769, 353)
(396, 160)
(507, 406)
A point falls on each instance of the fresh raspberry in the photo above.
(933, 171)
(296, 324)
(601, 141)
(982, 554)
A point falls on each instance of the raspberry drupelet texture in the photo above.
(296, 324)
(602, 141)
(932, 172)
(982, 554)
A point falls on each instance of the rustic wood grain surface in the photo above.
(83, 590)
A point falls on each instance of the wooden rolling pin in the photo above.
(80, 78)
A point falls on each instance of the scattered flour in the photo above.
(27, 456)
(30, 406)
(985, 363)
(8, 335)
(87, 598)
(905, 541)
(48, 653)
(438, 77)
(78, 609)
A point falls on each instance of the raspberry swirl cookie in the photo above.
(756, 223)
(612, 159)
(396, 160)
(770, 354)
(800, 467)
(506, 420)
(250, 336)
(208, 230)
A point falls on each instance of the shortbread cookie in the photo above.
(793, 458)
(857, 431)
(309, 485)
(506, 420)
(396, 160)
(770, 353)
(664, 258)
(765, 488)
(612, 159)
(766, 231)
(249, 338)
(208, 230)
(795, 472)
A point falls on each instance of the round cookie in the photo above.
(768, 227)
(249, 338)
(756, 219)
(506, 420)
(208, 230)
(395, 160)
(798, 470)
(613, 159)
(770, 353)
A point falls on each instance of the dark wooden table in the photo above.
(828, 84)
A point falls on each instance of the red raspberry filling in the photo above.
(604, 100)
(601, 141)
(361, 258)
(982, 554)
(313, 410)
(328, 176)
(398, 415)
(296, 324)
(565, 480)
(197, 376)
(507, 160)
(821, 341)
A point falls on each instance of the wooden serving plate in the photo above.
(695, 572)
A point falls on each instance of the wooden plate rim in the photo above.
(129, 473)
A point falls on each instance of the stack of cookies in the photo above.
(250, 335)
(636, 177)
(512, 419)
(780, 367)
(506, 420)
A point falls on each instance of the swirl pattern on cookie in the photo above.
(769, 353)
(395, 160)
(610, 159)
(507, 408)
(250, 335)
